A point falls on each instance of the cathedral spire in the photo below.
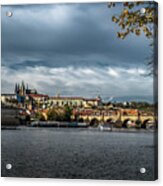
(16, 88)
(23, 88)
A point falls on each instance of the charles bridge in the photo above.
(122, 116)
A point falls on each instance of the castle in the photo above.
(91, 110)
(30, 97)
(22, 90)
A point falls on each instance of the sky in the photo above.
(72, 49)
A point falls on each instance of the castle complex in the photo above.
(89, 110)
(30, 98)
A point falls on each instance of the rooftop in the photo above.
(8, 94)
(75, 98)
(38, 95)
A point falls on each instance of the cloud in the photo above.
(80, 31)
(113, 72)
(80, 81)
(72, 48)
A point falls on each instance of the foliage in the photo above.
(67, 113)
(60, 114)
(133, 20)
(144, 106)
(39, 116)
(53, 114)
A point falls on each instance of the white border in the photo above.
(54, 1)
(68, 182)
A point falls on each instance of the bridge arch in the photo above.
(87, 120)
(109, 120)
(81, 120)
(145, 122)
(94, 122)
(126, 122)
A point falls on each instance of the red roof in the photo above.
(61, 97)
(38, 95)
(81, 98)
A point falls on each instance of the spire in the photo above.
(16, 88)
(23, 88)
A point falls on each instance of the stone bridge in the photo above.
(117, 117)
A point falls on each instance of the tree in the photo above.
(137, 18)
(39, 116)
(67, 113)
(62, 114)
(55, 115)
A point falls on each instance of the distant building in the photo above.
(38, 97)
(7, 98)
(74, 101)
(23, 95)
(21, 92)
(31, 99)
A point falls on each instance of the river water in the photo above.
(77, 154)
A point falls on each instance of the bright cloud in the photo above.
(113, 72)
(72, 48)
(79, 81)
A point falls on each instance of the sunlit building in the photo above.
(75, 101)
(7, 98)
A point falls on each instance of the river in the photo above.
(77, 153)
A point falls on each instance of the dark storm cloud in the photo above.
(72, 48)
(67, 32)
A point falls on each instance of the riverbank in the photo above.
(10, 121)
(114, 130)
